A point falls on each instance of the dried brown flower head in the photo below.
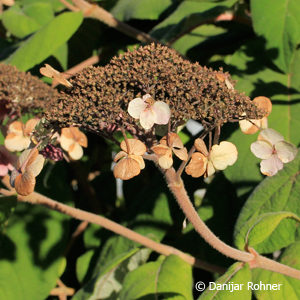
(101, 95)
(22, 92)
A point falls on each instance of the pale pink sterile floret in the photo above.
(6, 161)
(273, 150)
(149, 111)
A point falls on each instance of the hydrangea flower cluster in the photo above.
(141, 92)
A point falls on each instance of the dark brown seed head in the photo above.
(100, 95)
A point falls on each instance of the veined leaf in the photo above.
(237, 276)
(259, 235)
(279, 24)
(278, 194)
(45, 41)
(170, 276)
(187, 16)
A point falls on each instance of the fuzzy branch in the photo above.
(253, 258)
(96, 12)
(38, 199)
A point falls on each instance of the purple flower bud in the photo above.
(52, 152)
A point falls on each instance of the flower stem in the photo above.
(254, 260)
(38, 199)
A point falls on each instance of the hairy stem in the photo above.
(254, 259)
(97, 12)
(36, 198)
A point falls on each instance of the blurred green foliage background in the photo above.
(257, 42)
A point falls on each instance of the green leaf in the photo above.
(18, 23)
(83, 263)
(61, 54)
(287, 287)
(91, 236)
(41, 12)
(140, 9)
(263, 227)
(170, 276)
(236, 284)
(279, 24)
(56, 4)
(45, 41)
(22, 22)
(114, 246)
(7, 205)
(256, 77)
(31, 253)
(196, 37)
(107, 281)
(187, 16)
(280, 194)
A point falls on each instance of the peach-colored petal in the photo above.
(62, 80)
(166, 161)
(79, 136)
(210, 170)
(67, 133)
(271, 165)
(270, 135)
(228, 84)
(66, 141)
(221, 76)
(261, 149)
(162, 112)
(163, 141)
(248, 127)
(23, 158)
(160, 149)
(15, 142)
(286, 151)
(70, 135)
(127, 168)
(181, 153)
(24, 183)
(35, 167)
(136, 106)
(197, 165)
(174, 140)
(30, 125)
(50, 72)
(120, 155)
(200, 146)
(263, 103)
(136, 147)
(264, 123)
(223, 155)
(75, 151)
(139, 159)
(31, 161)
(16, 127)
(147, 118)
